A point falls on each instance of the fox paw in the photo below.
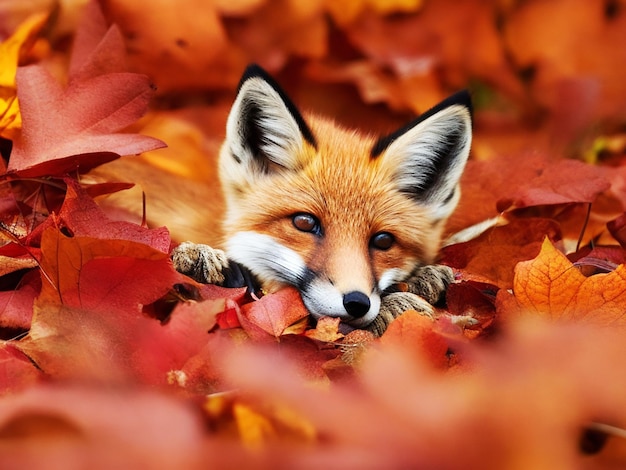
(210, 266)
(200, 262)
(430, 282)
(420, 291)
(394, 305)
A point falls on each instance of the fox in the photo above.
(342, 216)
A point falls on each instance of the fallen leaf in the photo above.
(492, 257)
(550, 286)
(421, 47)
(54, 426)
(9, 264)
(82, 135)
(17, 372)
(617, 227)
(561, 182)
(417, 334)
(326, 330)
(82, 217)
(346, 11)
(398, 401)
(298, 29)
(229, 317)
(16, 306)
(472, 303)
(260, 426)
(154, 30)
(85, 130)
(519, 181)
(10, 51)
(273, 313)
(577, 45)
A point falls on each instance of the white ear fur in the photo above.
(429, 157)
(264, 129)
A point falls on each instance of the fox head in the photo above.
(339, 215)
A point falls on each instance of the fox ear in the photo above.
(264, 129)
(430, 153)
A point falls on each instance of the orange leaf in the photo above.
(10, 51)
(273, 313)
(327, 330)
(492, 256)
(415, 333)
(551, 286)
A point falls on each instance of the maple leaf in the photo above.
(419, 48)
(326, 330)
(83, 217)
(98, 102)
(506, 183)
(275, 312)
(10, 51)
(17, 372)
(550, 286)
(16, 306)
(492, 257)
(15, 262)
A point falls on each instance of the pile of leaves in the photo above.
(110, 357)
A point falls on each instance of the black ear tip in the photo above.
(254, 70)
(462, 97)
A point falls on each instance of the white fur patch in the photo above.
(390, 277)
(323, 299)
(266, 258)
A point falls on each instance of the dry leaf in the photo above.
(10, 52)
(550, 286)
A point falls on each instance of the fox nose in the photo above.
(356, 303)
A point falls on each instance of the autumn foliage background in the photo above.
(110, 357)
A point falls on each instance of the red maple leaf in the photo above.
(78, 127)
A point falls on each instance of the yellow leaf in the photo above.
(327, 330)
(10, 51)
(550, 286)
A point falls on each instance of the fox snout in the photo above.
(354, 307)
(356, 303)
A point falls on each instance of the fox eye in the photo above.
(306, 223)
(382, 241)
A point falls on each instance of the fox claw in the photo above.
(423, 288)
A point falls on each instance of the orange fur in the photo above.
(353, 196)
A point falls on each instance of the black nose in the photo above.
(356, 303)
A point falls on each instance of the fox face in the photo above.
(339, 215)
